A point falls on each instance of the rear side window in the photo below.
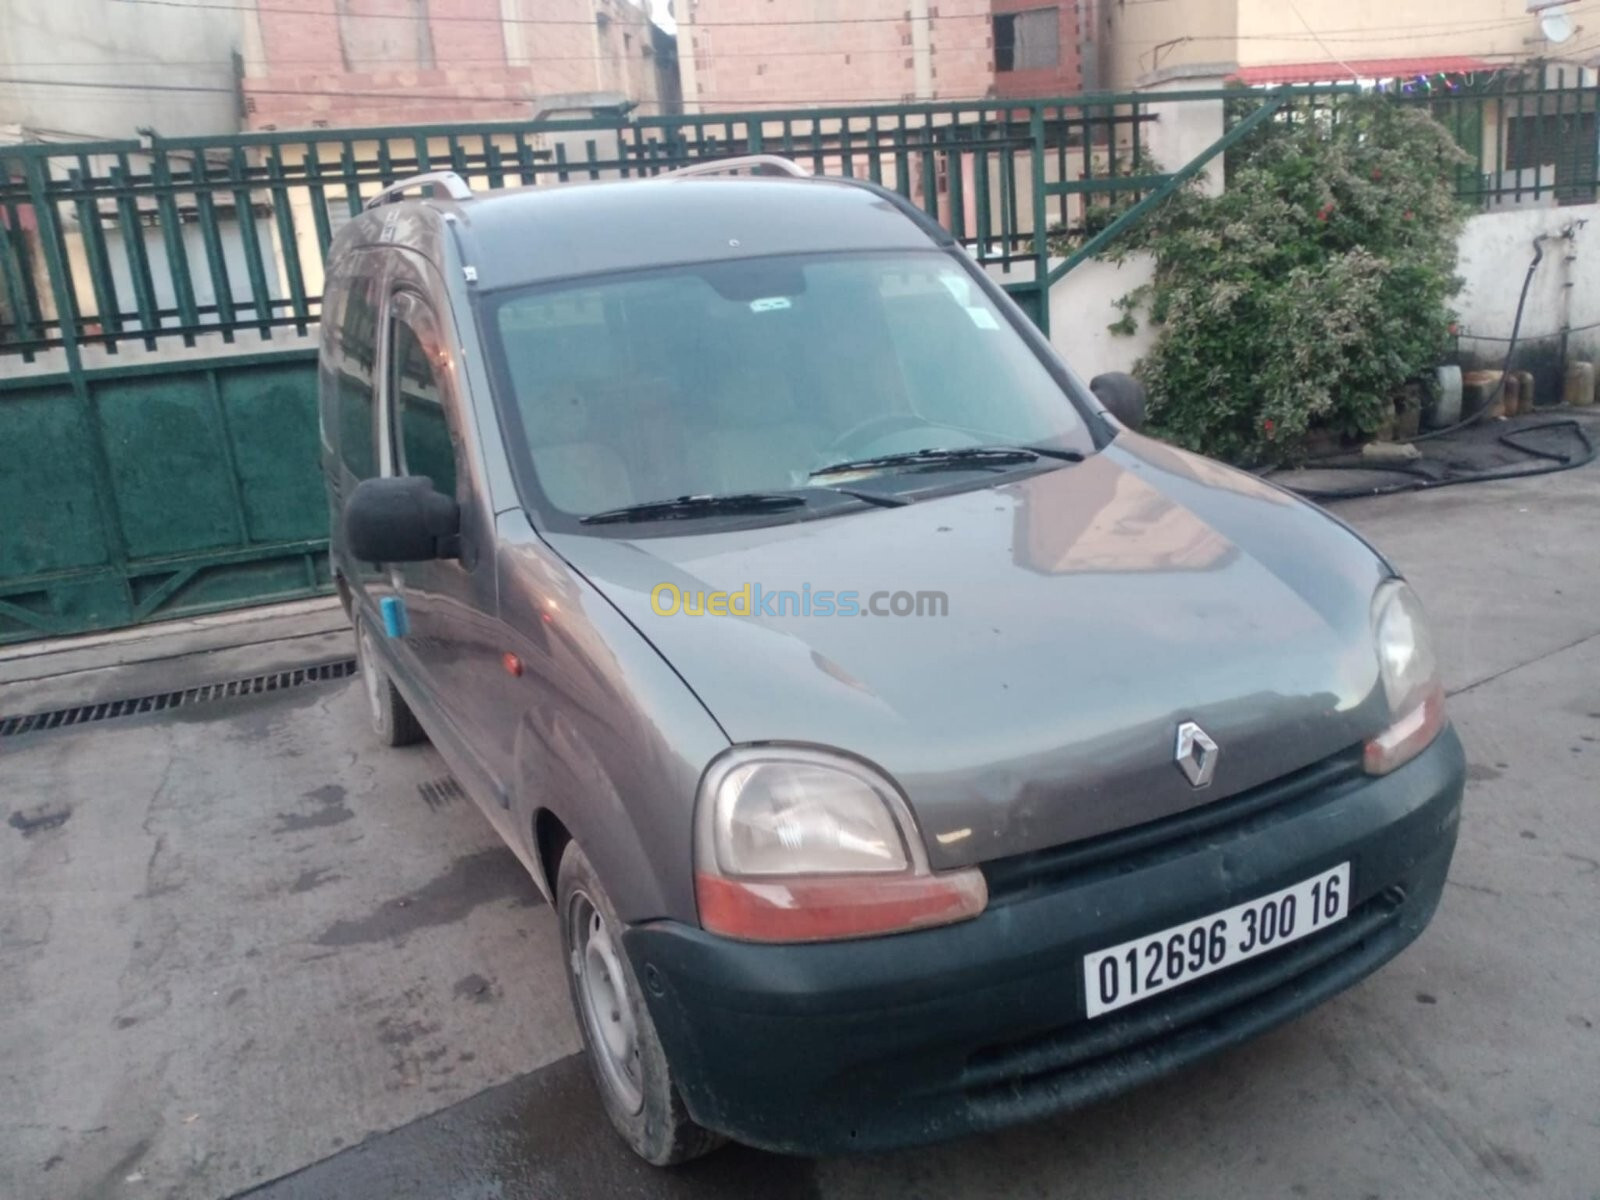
(358, 356)
(424, 433)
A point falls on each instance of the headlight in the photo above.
(794, 844)
(1410, 675)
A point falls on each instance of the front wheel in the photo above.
(392, 718)
(625, 1056)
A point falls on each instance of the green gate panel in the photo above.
(48, 518)
(210, 466)
(166, 450)
(64, 606)
(271, 413)
(186, 589)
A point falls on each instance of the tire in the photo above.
(625, 1057)
(392, 718)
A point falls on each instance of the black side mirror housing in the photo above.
(401, 518)
(1122, 395)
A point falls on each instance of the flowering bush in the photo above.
(1305, 295)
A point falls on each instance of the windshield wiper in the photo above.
(983, 456)
(698, 506)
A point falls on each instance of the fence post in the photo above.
(1182, 129)
(1041, 218)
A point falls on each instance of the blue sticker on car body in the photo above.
(395, 622)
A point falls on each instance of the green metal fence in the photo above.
(158, 297)
(1533, 135)
(157, 490)
(1530, 131)
(179, 238)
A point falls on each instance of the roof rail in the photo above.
(745, 164)
(454, 186)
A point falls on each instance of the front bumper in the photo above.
(894, 1041)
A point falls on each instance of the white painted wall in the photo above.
(1083, 307)
(68, 45)
(1496, 249)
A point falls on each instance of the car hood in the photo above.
(1092, 608)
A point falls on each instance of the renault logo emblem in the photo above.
(1196, 754)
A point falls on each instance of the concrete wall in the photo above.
(72, 44)
(741, 53)
(1270, 33)
(1496, 250)
(1083, 306)
(397, 62)
(1144, 40)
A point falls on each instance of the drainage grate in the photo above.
(437, 793)
(109, 710)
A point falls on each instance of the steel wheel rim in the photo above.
(369, 677)
(603, 1001)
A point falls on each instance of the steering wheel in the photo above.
(844, 447)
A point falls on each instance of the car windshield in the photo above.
(752, 376)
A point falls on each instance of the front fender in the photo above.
(612, 741)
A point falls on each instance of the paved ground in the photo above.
(246, 948)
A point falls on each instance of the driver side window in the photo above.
(424, 442)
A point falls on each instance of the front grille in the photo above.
(1223, 1007)
(1141, 846)
(107, 710)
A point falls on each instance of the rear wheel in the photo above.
(392, 718)
(625, 1056)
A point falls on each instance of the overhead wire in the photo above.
(902, 19)
(1414, 29)
(1326, 49)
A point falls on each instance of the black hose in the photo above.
(1511, 350)
(1417, 481)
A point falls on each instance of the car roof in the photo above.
(537, 234)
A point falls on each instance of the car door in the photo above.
(451, 621)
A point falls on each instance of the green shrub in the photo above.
(1308, 293)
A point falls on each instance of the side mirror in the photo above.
(1122, 395)
(401, 519)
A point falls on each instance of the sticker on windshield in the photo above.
(982, 317)
(770, 304)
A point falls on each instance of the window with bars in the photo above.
(1027, 41)
(1566, 142)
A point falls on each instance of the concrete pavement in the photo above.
(257, 950)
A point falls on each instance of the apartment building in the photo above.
(395, 62)
(87, 70)
(1304, 41)
(761, 54)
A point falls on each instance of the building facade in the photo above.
(1037, 48)
(85, 70)
(738, 54)
(395, 62)
(1139, 42)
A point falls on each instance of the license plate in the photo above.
(1147, 966)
